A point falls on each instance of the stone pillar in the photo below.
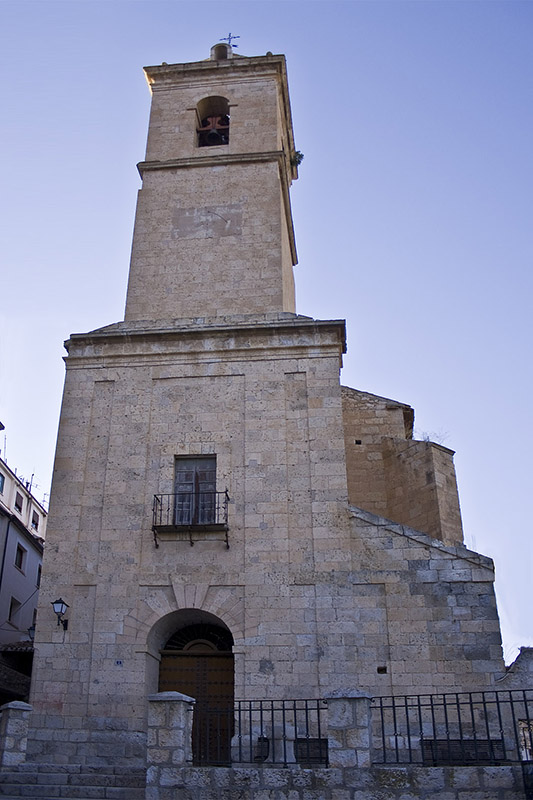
(169, 743)
(14, 732)
(349, 729)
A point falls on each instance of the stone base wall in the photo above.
(374, 783)
(86, 745)
(13, 733)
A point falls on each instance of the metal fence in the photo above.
(190, 509)
(262, 732)
(454, 729)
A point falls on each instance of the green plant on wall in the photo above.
(296, 158)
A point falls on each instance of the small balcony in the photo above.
(190, 513)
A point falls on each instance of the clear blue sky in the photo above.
(413, 214)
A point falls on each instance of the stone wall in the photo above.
(367, 419)
(352, 783)
(14, 718)
(213, 230)
(264, 398)
(425, 612)
(316, 595)
(393, 475)
(422, 488)
(349, 776)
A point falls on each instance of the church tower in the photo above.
(199, 476)
(226, 521)
(213, 233)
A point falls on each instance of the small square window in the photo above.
(19, 500)
(20, 557)
(35, 521)
(14, 607)
(2, 482)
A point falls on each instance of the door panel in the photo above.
(209, 679)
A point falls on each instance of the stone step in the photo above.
(50, 782)
(61, 792)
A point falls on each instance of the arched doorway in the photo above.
(197, 660)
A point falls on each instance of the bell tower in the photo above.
(213, 231)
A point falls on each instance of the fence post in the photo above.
(14, 718)
(349, 728)
(169, 743)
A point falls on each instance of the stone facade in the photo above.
(392, 474)
(345, 565)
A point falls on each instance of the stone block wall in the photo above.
(422, 488)
(393, 475)
(241, 260)
(14, 719)
(213, 230)
(350, 783)
(317, 596)
(367, 419)
(430, 612)
(264, 398)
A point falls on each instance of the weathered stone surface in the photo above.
(318, 596)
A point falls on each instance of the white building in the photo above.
(22, 530)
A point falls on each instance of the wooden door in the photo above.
(209, 678)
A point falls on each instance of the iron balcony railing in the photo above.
(190, 511)
(278, 732)
(493, 727)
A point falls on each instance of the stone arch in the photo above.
(220, 52)
(157, 613)
(197, 660)
(186, 618)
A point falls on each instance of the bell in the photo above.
(214, 137)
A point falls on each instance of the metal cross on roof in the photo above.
(228, 39)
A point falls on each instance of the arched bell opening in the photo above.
(220, 52)
(213, 121)
(197, 660)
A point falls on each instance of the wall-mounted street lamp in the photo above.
(31, 632)
(60, 608)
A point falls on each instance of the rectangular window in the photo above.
(14, 607)
(20, 557)
(39, 570)
(35, 521)
(19, 500)
(195, 491)
(2, 481)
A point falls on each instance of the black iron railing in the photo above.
(262, 732)
(454, 729)
(190, 511)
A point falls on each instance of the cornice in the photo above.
(202, 327)
(134, 346)
(175, 73)
(212, 160)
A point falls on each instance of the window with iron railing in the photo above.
(195, 504)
